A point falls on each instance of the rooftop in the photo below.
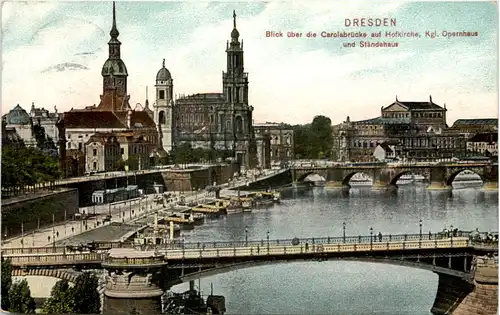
(476, 121)
(383, 121)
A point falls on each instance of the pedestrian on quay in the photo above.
(379, 236)
(307, 246)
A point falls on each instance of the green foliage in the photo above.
(314, 140)
(20, 299)
(61, 300)
(6, 282)
(185, 153)
(86, 297)
(27, 166)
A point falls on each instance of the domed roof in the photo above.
(163, 74)
(114, 66)
(235, 34)
(18, 116)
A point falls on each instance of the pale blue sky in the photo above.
(291, 80)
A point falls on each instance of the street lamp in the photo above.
(371, 236)
(246, 235)
(343, 227)
(420, 224)
(267, 240)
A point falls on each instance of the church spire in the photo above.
(234, 33)
(114, 31)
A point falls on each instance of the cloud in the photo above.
(291, 79)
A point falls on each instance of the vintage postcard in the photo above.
(254, 157)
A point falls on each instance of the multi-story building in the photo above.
(416, 130)
(213, 121)
(19, 120)
(91, 127)
(47, 120)
(281, 144)
(483, 144)
(112, 151)
(469, 127)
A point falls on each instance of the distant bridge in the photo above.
(386, 175)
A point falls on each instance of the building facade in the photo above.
(484, 144)
(281, 141)
(416, 131)
(96, 131)
(213, 121)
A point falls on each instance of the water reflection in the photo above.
(334, 286)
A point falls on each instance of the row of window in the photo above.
(415, 115)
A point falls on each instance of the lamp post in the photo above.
(246, 235)
(420, 224)
(371, 237)
(343, 228)
(53, 232)
(267, 240)
(451, 234)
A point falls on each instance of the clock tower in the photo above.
(114, 73)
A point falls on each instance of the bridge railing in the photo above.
(130, 261)
(179, 244)
(33, 250)
(478, 239)
(282, 250)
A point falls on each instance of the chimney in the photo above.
(129, 119)
(430, 99)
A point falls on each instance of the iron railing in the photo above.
(180, 244)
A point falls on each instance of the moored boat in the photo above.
(199, 218)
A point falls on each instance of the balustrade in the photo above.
(176, 251)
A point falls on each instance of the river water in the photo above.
(334, 287)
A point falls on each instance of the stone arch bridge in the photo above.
(386, 175)
(138, 277)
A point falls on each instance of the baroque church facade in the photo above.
(111, 134)
(213, 121)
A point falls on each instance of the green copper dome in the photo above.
(18, 116)
(114, 66)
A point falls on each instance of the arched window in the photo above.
(239, 124)
(161, 118)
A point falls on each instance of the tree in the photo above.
(20, 299)
(314, 140)
(61, 300)
(27, 166)
(6, 282)
(321, 129)
(86, 297)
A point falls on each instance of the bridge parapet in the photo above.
(385, 175)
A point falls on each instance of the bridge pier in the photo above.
(439, 186)
(490, 186)
(134, 282)
(337, 185)
(458, 297)
(383, 186)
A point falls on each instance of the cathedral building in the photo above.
(212, 121)
(95, 131)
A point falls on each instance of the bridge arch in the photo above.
(451, 178)
(395, 179)
(347, 178)
(68, 275)
(302, 177)
(224, 268)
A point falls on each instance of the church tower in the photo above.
(114, 74)
(235, 80)
(163, 108)
(235, 90)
